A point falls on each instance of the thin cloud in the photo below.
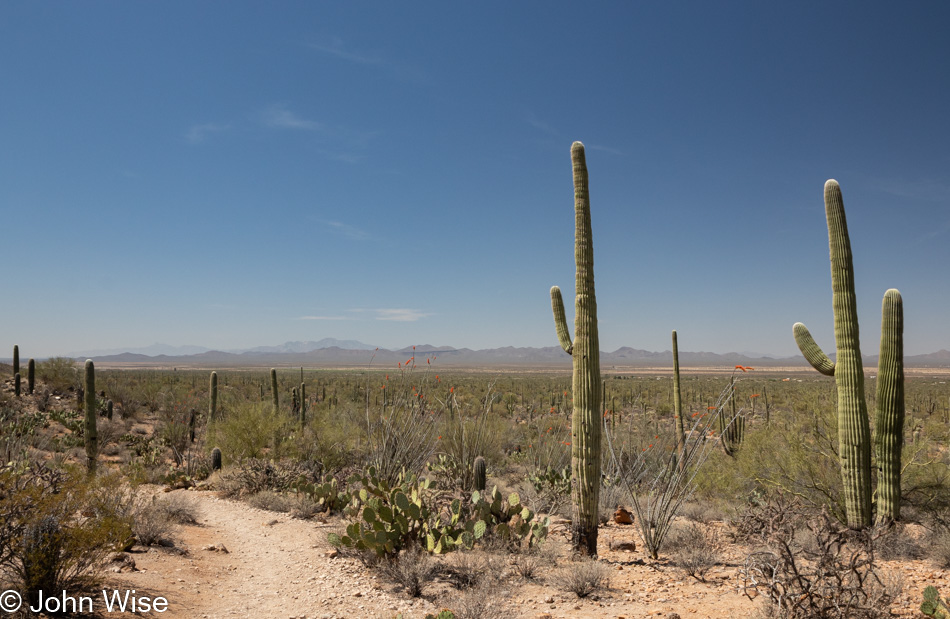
(537, 123)
(334, 46)
(400, 315)
(351, 232)
(324, 318)
(280, 117)
(197, 133)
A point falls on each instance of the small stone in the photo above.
(622, 516)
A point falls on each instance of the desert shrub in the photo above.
(939, 549)
(821, 571)
(56, 527)
(467, 431)
(412, 569)
(59, 373)
(271, 501)
(531, 561)
(469, 570)
(180, 507)
(255, 475)
(153, 525)
(582, 578)
(481, 602)
(894, 542)
(695, 549)
(248, 430)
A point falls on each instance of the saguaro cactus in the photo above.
(215, 459)
(16, 359)
(30, 376)
(889, 420)
(854, 433)
(478, 470)
(303, 403)
(90, 430)
(678, 405)
(585, 352)
(213, 405)
(16, 384)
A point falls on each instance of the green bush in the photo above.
(249, 430)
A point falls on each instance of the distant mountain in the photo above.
(150, 351)
(298, 347)
(348, 353)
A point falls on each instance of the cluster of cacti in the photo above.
(273, 388)
(90, 431)
(933, 606)
(326, 493)
(30, 376)
(585, 353)
(478, 473)
(213, 404)
(390, 517)
(854, 432)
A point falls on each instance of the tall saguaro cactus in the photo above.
(213, 404)
(678, 405)
(90, 431)
(16, 359)
(585, 352)
(273, 388)
(889, 420)
(854, 432)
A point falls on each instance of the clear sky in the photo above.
(236, 174)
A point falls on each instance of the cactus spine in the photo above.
(273, 388)
(16, 359)
(30, 376)
(585, 353)
(889, 418)
(90, 431)
(213, 405)
(854, 432)
(479, 473)
(678, 405)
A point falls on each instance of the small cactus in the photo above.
(479, 471)
(30, 376)
(215, 459)
(933, 606)
(16, 359)
(109, 408)
(213, 406)
(90, 431)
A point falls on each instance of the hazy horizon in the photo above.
(239, 175)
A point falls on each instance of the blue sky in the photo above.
(234, 174)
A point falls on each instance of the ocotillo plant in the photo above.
(90, 431)
(30, 376)
(273, 388)
(854, 432)
(213, 405)
(678, 404)
(585, 353)
(889, 420)
(16, 359)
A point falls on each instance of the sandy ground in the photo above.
(276, 566)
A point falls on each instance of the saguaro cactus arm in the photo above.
(560, 320)
(812, 351)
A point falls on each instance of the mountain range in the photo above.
(351, 353)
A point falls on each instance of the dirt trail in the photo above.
(278, 567)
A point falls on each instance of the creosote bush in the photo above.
(582, 578)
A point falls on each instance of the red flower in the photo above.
(754, 395)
